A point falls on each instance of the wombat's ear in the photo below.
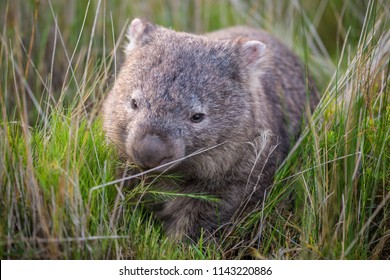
(252, 53)
(138, 34)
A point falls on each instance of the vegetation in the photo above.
(59, 196)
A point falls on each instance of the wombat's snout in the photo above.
(152, 151)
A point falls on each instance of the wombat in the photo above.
(220, 109)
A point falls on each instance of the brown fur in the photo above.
(249, 96)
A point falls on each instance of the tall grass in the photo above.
(59, 193)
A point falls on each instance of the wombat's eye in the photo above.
(197, 118)
(133, 104)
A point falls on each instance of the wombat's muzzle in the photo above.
(152, 151)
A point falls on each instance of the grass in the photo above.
(59, 197)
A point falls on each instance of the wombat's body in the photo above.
(237, 95)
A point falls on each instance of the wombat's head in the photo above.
(179, 93)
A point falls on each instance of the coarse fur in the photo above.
(223, 106)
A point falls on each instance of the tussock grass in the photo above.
(59, 193)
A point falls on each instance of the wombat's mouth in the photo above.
(163, 165)
(166, 166)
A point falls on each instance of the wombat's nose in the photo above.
(152, 151)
